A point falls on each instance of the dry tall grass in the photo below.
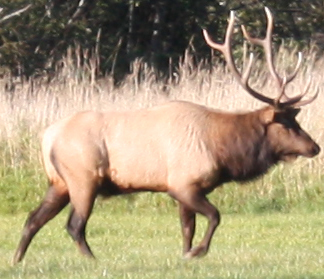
(33, 105)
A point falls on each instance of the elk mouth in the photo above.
(312, 151)
(289, 157)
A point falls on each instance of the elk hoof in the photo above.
(196, 252)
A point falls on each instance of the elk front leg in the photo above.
(198, 203)
(188, 226)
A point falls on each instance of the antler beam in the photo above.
(243, 79)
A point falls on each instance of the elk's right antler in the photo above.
(243, 79)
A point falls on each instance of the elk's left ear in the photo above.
(267, 115)
(293, 112)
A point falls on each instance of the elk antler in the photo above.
(243, 79)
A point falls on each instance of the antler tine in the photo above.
(292, 76)
(222, 47)
(294, 73)
(266, 44)
(282, 92)
(298, 102)
(308, 101)
(225, 48)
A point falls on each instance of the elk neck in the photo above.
(241, 146)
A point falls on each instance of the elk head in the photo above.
(284, 134)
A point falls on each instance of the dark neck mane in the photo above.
(245, 153)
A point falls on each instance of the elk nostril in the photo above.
(316, 149)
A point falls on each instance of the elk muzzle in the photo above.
(314, 149)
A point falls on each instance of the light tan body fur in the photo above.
(136, 150)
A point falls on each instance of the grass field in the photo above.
(141, 245)
(271, 227)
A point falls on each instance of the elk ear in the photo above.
(293, 112)
(267, 116)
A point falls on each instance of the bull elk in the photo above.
(180, 148)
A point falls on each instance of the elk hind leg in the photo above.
(52, 204)
(76, 227)
(82, 203)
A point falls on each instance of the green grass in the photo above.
(142, 244)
